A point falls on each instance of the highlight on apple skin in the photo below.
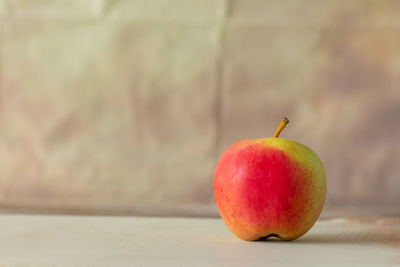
(269, 187)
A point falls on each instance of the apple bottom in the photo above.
(284, 229)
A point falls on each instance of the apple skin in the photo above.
(269, 187)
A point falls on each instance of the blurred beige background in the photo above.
(123, 107)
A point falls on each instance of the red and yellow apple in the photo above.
(269, 187)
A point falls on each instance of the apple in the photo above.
(269, 187)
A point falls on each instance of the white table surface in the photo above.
(28, 240)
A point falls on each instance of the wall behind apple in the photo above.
(123, 107)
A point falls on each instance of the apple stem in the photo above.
(282, 126)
